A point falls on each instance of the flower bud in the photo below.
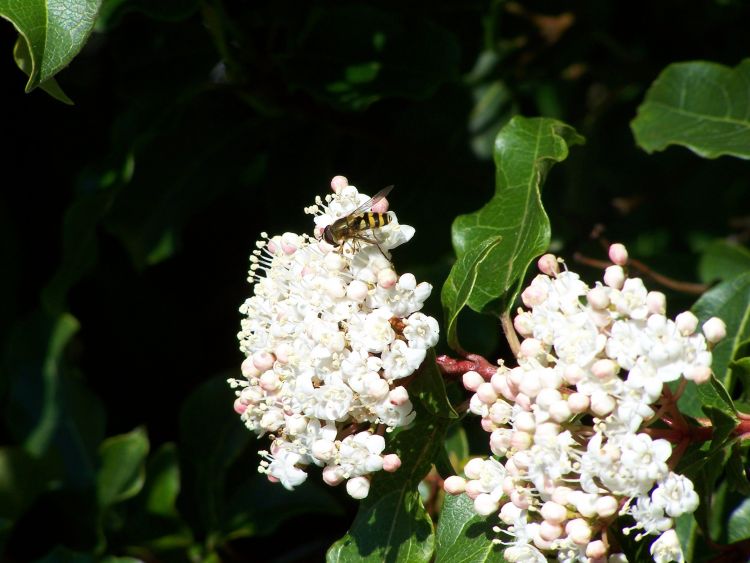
(533, 296)
(578, 402)
(524, 324)
(357, 290)
(602, 404)
(604, 369)
(606, 506)
(486, 393)
(408, 282)
(248, 368)
(473, 469)
(686, 323)
(521, 440)
(240, 406)
(263, 361)
(530, 348)
(398, 395)
(618, 254)
(524, 421)
(698, 374)
(553, 512)
(485, 504)
(473, 489)
(715, 329)
(338, 183)
(614, 277)
(454, 485)
(549, 265)
(358, 487)
(550, 531)
(578, 531)
(387, 278)
(323, 450)
(472, 380)
(391, 463)
(656, 302)
(334, 261)
(596, 549)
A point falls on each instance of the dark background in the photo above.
(198, 125)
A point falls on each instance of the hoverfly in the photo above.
(351, 226)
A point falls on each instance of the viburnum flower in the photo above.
(329, 335)
(569, 424)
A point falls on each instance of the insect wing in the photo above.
(366, 206)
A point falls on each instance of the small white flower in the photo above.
(667, 548)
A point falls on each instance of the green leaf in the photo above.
(386, 55)
(54, 31)
(33, 363)
(457, 445)
(122, 471)
(22, 56)
(739, 522)
(700, 105)
(723, 260)
(461, 284)
(730, 301)
(736, 473)
(22, 479)
(429, 388)
(463, 536)
(686, 528)
(211, 438)
(525, 150)
(392, 524)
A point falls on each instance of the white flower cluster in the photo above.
(570, 421)
(329, 335)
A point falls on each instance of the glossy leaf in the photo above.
(429, 388)
(122, 471)
(462, 283)
(392, 524)
(525, 150)
(739, 522)
(463, 536)
(737, 477)
(700, 105)
(54, 32)
(723, 260)
(729, 301)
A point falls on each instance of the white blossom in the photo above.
(326, 333)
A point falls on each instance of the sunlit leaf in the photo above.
(429, 388)
(463, 535)
(739, 522)
(54, 31)
(525, 150)
(392, 524)
(700, 105)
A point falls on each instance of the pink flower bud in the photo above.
(263, 361)
(248, 368)
(338, 183)
(500, 441)
(606, 506)
(381, 206)
(553, 512)
(715, 329)
(332, 475)
(573, 374)
(520, 500)
(520, 440)
(533, 296)
(530, 385)
(487, 424)
(614, 277)
(240, 406)
(656, 302)
(408, 282)
(523, 401)
(596, 549)
(560, 495)
(334, 261)
(524, 421)
(323, 449)
(486, 393)
(454, 485)
(272, 479)
(604, 369)
(550, 531)
(387, 278)
(549, 265)
(560, 411)
(578, 531)
(618, 254)
(269, 381)
(391, 462)
(546, 397)
(398, 396)
(578, 402)
(472, 380)
(686, 323)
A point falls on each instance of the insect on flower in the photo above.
(352, 227)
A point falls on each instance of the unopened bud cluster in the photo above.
(329, 335)
(568, 423)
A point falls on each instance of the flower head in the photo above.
(328, 334)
